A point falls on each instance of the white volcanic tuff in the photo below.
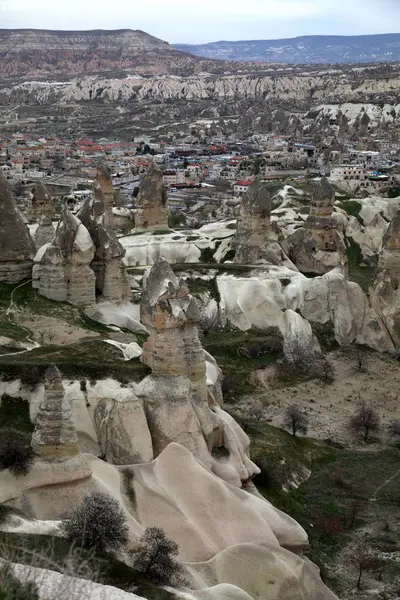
(386, 113)
(326, 87)
(262, 301)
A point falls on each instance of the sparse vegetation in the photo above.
(295, 421)
(97, 523)
(364, 422)
(155, 557)
(16, 453)
(13, 589)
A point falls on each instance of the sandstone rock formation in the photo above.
(179, 400)
(42, 202)
(104, 180)
(45, 233)
(62, 268)
(151, 202)
(176, 392)
(111, 279)
(16, 245)
(55, 436)
(289, 301)
(385, 287)
(256, 241)
(318, 247)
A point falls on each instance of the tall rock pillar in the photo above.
(55, 435)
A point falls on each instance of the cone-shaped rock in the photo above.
(104, 180)
(255, 240)
(42, 202)
(62, 269)
(318, 247)
(16, 245)
(151, 202)
(111, 279)
(45, 232)
(55, 435)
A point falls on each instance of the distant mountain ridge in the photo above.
(47, 54)
(312, 49)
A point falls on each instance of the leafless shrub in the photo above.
(394, 429)
(295, 421)
(364, 421)
(302, 357)
(362, 558)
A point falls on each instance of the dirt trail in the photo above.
(383, 485)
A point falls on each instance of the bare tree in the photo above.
(301, 355)
(354, 508)
(257, 411)
(364, 421)
(360, 356)
(394, 429)
(295, 420)
(326, 368)
(155, 557)
(362, 558)
(299, 352)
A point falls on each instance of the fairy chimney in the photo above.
(256, 242)
(54, 437)
(16, 245)
(62, 269)
(103, 179)
(42, 202)
(111, 279)
(151, 202)
(45, 233)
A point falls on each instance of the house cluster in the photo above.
(68, 167)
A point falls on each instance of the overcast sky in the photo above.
(202, 21)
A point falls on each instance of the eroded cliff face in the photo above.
(318, 87)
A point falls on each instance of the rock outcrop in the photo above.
(62, 268)
(151, 202)
(256, 242)
(104, 180)
(42, 203)
(45, 233)
(178, 402)
(16, 245)
(111, 278)
(385, 287)
(318, 247)
(55, 436)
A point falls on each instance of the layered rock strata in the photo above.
(385, 287)
(16, 245)
(318, 247)
(256, 242)
(62, 268)
(55, 436)
(151, 202)
(111, 278)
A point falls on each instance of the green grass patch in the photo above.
(361, 275)
(14, 414)
(92, 359)
(353, 208)
(239, 353)
(322, 503)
